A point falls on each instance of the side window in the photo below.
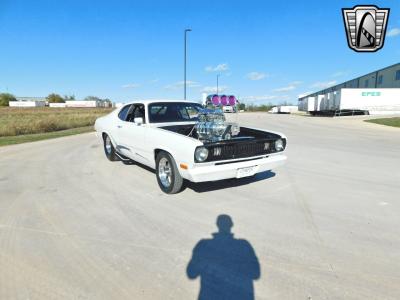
(123, 113)
(137, 111)
(366, 83)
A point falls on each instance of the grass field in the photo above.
(395, 122)
(18, 125)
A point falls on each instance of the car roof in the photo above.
(148, 101)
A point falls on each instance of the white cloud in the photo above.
(340, 73)
(285, 88)
(393, 32)
(179, 85)
(154, 80)
(256, 75)
(261, 98)
(131, 85)
(305, 94)
(290, 87)
(266, 98)
(213, 89)
(217, 68)
(323, 85)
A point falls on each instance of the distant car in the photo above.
(182, 140)
(228, 109)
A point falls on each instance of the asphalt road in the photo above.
(325, 226)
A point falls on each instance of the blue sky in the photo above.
(265, 51)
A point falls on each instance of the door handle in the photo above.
(119, 126)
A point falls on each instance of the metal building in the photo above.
(374, 93)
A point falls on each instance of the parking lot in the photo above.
(325, 226)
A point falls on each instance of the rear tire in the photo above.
(109, 149)
(168, 177)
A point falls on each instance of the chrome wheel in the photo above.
(108, 145)
(164, 172)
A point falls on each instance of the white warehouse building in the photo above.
(28, 102)
(374, 93)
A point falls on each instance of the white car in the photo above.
(228, 109)
(183, 140)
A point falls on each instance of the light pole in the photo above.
(217, 82)
(184, 66)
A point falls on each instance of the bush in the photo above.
(5, 98)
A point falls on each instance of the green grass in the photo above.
(394, 122)
(11, 140)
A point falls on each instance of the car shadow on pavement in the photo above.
(131, 162)
(208, 186)
(226, 266)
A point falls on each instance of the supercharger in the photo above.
(213, 127)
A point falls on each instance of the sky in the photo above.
(265, 51)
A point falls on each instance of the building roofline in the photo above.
(336, 85)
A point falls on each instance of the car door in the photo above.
(116, 127)
(132, 135)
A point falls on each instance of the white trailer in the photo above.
(78, 103)
(287, 109)
(27, 103)
(375, 101)
(57, 105)
(317, 103)
(310, 104)
(306, 104)
(274, 110)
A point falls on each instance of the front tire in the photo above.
(109, 149)
(168, 177)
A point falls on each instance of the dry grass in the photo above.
(16, 121)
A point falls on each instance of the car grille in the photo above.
(239, 150)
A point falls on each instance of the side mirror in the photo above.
(138, 121)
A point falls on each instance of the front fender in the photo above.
(179, 146)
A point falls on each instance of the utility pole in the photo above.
(217, 82)
(184, 65)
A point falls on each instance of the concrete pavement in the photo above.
(325, 226)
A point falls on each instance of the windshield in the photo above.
(162, 112)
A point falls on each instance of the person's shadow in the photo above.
(226, 266)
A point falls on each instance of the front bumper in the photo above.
(214, 172)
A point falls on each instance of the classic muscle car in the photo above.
(184, 140)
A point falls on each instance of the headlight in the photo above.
(279, 145)
(201, 154)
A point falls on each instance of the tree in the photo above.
(92, 98)
(242, 106)
(5, 98)
(55, 98)
(72, 97)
